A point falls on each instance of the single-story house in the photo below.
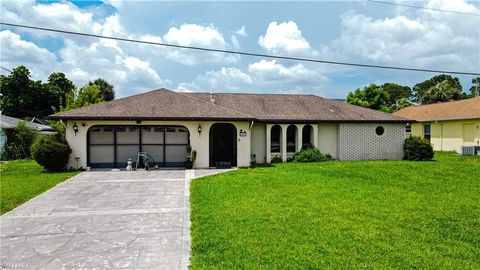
(227, 129)
(8, 124)
(448, 125)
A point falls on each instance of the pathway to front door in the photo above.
(103, 220)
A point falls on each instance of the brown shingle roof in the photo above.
(459, 109)
(159, 104)
(164, 104)
(287, 108)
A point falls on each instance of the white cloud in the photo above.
(262, 76)
(436, 40)
(197, 36)
(129, 75)
(285, 38)
(129, 67)
(62, 15)
(15, 52)
(242, 31)
(227, 78)
(273, 71)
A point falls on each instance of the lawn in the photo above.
(343, 215)
(23, 180)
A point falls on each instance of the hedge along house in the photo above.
(448, 125)
(226, 129)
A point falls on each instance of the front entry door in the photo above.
(223, 145)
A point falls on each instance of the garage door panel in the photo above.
(176, 136)
(128, 135)
(101, 136)
(175, 153)
(101, 154)
(113, 145)
(124, 152)
(153, 135)
(155, 151)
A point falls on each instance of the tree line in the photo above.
(23, 97)
(391, 97)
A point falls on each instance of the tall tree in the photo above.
(395, 92)
(388, 97)
(88, 95)
(475, 89)
(15, 99)
(441, 92)
(65, 86)
(23, 97)
(107, 92)
(421, 89)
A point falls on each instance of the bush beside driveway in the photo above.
(343, 215)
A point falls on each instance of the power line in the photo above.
(418, 7)
(239, 52)
(5, 69)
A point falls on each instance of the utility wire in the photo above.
(5, 69)
(418, 7)
(239, 52)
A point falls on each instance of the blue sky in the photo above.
(351, 31)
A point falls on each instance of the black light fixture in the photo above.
(75, 128)
(199, 129)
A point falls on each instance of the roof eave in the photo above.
(287, 121)
(279, 121)
(448, 119)
(138, 118)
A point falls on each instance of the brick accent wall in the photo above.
(359, 141)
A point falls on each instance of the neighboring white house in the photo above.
(227, 129)
(8, 123)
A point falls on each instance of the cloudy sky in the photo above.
(353, 31)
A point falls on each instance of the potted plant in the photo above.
(194, 156)
(188, 157)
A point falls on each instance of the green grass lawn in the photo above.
(24, 179)
(343, 215)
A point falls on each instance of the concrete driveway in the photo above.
(103, 220)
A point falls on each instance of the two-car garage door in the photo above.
(112, 146)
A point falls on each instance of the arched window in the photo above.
(291, 138)
(275, 139)
(307, 135)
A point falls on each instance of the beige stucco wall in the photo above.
(450, 135)
(327, 139)
(259, 142)
(199, 142)
(360, 142)
(342, 141)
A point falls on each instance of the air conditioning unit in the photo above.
(470, 150)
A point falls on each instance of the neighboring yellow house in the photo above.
(448, 125)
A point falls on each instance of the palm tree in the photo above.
(107, 92)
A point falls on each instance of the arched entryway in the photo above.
(275, 135)
(291, 139)
(307, 136)
(223, 145)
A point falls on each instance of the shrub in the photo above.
(19, 142)
(194, 155)
(51, 153)
(276, 159)
(416, 148)
(310, 154)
